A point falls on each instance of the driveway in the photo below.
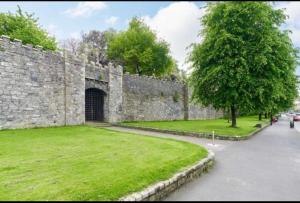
(266, 167)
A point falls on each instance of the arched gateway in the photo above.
(94, 104)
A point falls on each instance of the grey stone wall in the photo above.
(115, 96)
(147, 98)
(39, 88)
(75, 91)
(97, 76)
(107, 78)
(43, 88)
(198, 112)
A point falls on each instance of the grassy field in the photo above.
(84, 163)
(245, 125)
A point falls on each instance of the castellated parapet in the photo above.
(41, 88)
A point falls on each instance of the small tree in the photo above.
(71, 44)
(25, 27)
(139, 51)
(94, 45)
(245, 62)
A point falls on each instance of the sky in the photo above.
(176, 22)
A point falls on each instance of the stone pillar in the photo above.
(115, 92)
(74, 90)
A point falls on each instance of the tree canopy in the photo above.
(140, 52)
(24, 26)
(245, 61)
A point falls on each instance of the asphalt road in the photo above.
(266, 167)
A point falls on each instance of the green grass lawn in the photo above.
(220, 126)
(85, 163)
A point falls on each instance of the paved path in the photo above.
(266, 167)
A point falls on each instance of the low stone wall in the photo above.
(162, 189)
(197, 134)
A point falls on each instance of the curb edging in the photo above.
(162, 189)
(195, 134)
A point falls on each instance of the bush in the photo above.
(24, 26)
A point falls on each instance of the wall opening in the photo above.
(94, 104)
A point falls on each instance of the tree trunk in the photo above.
(233, 116)
(138, 69)
(259, 116)
(266, 115)
(270, 118)
(228, 113)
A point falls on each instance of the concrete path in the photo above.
(266, 167)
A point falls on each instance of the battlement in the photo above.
(155, 79)
(17, 46)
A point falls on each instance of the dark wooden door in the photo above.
(94, 102)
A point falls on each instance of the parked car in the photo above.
(296, 117)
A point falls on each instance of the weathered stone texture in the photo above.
(197, 111)
(43, 88)
(32, 87)
(75, 90)
(147, 98)
(97, 76)
(115, 97)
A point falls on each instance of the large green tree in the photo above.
(139, 50)
(244, 62)
(24, 26)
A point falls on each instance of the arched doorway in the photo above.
(94, 104)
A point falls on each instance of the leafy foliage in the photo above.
(245, 61)
(25, 27)
(139, 51)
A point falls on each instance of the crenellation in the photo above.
(37, 77)
(52, 84)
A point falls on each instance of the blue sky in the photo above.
(176, 22)
(53, 15)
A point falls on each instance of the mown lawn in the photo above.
(245, 125)
(84, 163)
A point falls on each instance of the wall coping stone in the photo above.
(162, 189)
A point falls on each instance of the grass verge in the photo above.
(245, 125)
(85, 163)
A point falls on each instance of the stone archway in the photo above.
(94, 104)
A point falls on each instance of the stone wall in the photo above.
(115, 96)
(43, 88)
(97, 76)
(197, 111)
(147, 98)
(39, 88)
(107, 78)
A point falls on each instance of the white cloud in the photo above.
(293, 22)
(178, 24)
(111, 20)
(85, 9)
